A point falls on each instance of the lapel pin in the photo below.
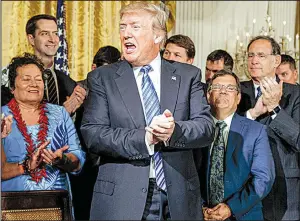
(173, 78)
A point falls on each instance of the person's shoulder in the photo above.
(246, 83)
(54, 108)
(182, 69)
(61, 75)
(252, 123)
(4, 109)
(179, 65)
(291, 89)
(107, 71)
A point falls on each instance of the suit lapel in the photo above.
(234, 138)
(126, 84)
(249, 89)
(169, 86)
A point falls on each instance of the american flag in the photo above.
(61, 58)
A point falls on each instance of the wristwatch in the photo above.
(275, 111)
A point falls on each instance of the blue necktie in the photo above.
(152, 108)
(258, 93)
(216, 176)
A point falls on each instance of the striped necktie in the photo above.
(259, 93)
(216, 174)
(51, 89)
(152, 108)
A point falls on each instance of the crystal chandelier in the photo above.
(240, 56)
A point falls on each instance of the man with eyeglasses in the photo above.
(268, 100)
(237, 170)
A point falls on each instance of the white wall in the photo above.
(215, 24)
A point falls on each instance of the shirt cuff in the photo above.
(150, 148)
(273, 116)
(248, 115)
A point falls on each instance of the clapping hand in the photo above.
(271, 92)
(6, 125)
(161, 128)
(75, 100)
(51, 157)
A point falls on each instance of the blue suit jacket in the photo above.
(114, 128)
(249, 169)
(283, 202)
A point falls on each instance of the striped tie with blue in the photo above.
(152, 108)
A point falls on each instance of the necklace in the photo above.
(40, 172)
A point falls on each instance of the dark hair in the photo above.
(183, 42)
(274, 44)
(31, 23)
(219, 54)
(224, 73)
(287, 59)
(107, 54)
(21, 61)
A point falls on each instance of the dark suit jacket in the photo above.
(283, 202)
(114, 127)
(66, 86)
(249, 169)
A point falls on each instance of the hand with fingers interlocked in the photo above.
(161, 128)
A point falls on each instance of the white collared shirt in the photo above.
(227, 120)
(154, 75)
(248, 115)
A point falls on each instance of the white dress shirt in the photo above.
(154, 75)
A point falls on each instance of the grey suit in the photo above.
(113, 127)
(283, 202)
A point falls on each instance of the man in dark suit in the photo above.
(182, 49)
(237, 170)
(179, 48)
(42, 34)
(216, 61)
(287, 70)
(277, 105)
(144, 115)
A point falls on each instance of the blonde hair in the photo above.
(159, 17)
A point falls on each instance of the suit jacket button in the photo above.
(144, 190)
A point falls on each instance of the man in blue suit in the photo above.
(238, 166)
(143, 116)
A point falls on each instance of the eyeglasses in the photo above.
(260, 55)
(228, 88)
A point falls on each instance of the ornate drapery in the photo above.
(89, 26)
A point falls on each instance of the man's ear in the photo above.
(190, 61)
(277, 60)
(208, 96)
(239, 98)
(30, 39)
(157, 39)
(94, 66)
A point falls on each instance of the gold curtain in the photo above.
(89, 26)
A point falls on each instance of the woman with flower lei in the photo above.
(39, 142)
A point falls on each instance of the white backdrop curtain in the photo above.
(215, 24)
